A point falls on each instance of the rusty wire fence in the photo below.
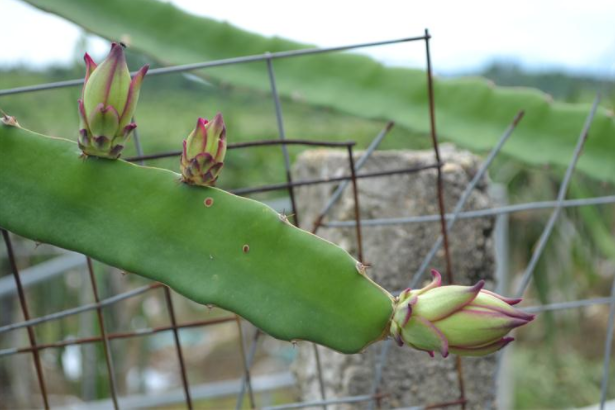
(246, 388)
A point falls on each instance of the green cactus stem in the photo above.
(208, 245)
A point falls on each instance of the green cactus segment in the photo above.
(210, 246)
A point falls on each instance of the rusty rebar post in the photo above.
(441, 206)
(337, 194)
(436, 149)
(113, 336)
(330, 180)
(26, 315)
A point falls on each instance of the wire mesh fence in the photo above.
(246, 388)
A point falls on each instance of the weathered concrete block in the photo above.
(395, 253)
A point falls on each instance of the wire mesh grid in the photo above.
(248, 345)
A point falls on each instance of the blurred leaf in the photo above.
(471, 112)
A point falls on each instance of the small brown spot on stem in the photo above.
(208, 202)
(246, 248)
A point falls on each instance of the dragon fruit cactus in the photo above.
(108, 102)
(203, 153)
(463, 320)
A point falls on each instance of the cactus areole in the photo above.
(217, 248)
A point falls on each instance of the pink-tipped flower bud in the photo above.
(204, 150)
(463, 320)
(108, 102)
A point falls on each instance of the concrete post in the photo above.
(410, 378)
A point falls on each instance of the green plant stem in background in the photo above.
(470, 112)
(210, 246)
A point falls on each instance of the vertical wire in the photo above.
(561, 195)
(170, 307)
(436, 149)
(26, 314)
(178, 348)
(318, 221)
(246, 381)
(342, 186)
(457, 210)
(321, 382)
(461, 202)
(441, 207)
(546, 233)
(282, 134)
(103, 334)
(137, 140)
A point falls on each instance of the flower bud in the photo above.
(203, 153)
(108, 102)
(463, 320)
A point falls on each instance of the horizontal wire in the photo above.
(250, 144)
(362, 160)
(283, 185)
(216, 63)
(342, 400)
(529, 206)
(148, 331)
(359, 399)
(561, 196)
(80, 309)
(112, 336)
(568, 305)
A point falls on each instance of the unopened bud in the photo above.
(108, 102)
(203, 152)
(463, 320)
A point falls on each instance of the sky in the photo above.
(573, 36)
